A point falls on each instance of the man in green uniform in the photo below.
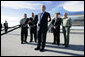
(66, 25)
(24, 29)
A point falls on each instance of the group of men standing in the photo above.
(32, 21)
(39, 26)
(66, 24)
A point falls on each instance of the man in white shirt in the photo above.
(24, 29)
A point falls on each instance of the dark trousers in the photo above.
(41, 39)
(6, 29)
(56, 33)
(66, 32)
(33, 30)
(24, 33)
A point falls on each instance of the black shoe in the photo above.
(53, 43)
(26, 42)
(58, 44)
(35, 41)
(31, 41)
(22, 43)
(37, 48)
(63, 44)
(41, 50)
(66, 46)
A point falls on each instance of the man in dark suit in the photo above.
(43, 19)
(6, 26)
(33, 27)
(56, 22)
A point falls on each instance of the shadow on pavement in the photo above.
(71, 47)
(63, 52)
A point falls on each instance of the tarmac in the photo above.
(11, 45)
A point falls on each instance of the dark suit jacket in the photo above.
(33, 22)
(6, 25)
(56, 24)
(43, 25)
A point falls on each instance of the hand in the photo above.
(29, 21)
(34, 25)
(54, 27)
(48, 18)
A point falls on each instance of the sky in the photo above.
(13, 11)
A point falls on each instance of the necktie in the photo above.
(55, 21)
(41, 15)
